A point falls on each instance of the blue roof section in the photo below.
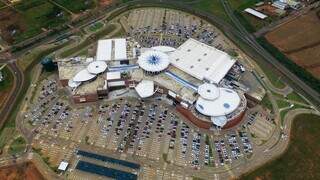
(123, 68)
(104, 171)
(108, 159)
(182, 81)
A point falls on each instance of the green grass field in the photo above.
(301, 160)
(38, 14)
(18, 145)
(296, 97)
(95, 27)
(77, 6)
(242, 4)
(266, 103)
(282, 104)
(100, 34)
(212, 6)
(8, 79)
(2, 4)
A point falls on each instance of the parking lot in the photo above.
(167, 27)
(140, 129)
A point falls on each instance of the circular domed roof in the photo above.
(83, 75)
(153, 61)
(97, 67)
(227, 102)
(208, 91)
(73, 84)
(219, 121)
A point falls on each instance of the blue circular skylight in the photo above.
(226, 105)
(153, 59)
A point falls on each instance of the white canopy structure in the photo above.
(63, 166)
(104, 50)
(209, 91)
(145, 88)
(73, 84)
(97, 67)
(202, 61)
(255, 13)
(225, 103)
(112, 49)
(120, 49)
(164, 49)
(83, 75)
(219, 121)
(153, 61)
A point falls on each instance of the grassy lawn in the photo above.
(96, 26)
(296, 97)
(266, 103)
(8, 79)
(18, 145)
(282, 104)
(88, 41)
(242, 4)
(6, 134)
(301, 160)
(273, 77)
(212, 6)
(77, 6)
(38, 14)
(2, 4)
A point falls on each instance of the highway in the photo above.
(11, 101)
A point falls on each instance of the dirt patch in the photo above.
(105, 2)
(3, 96)
(11, 23)
(25, 171)
(300, 41)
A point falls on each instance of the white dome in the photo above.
(227, 101)
(153, 61)
(165, 49)
(219, 121)
(73, 84)
(83, 75)
(209, 91)
(97, 67)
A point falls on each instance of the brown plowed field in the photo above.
(300, 41)
(10, 20)
(25, 171)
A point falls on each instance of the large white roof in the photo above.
(165, 49)
(256, 13)
(115, 75)
(219, 121)
(104, 50)
(83, 75)
(153, 61)
(145, 88)
(201, 61)
(209, 91)
(97, 67)
(226, 103)
(63, 166)
(112, 49)
(120, 49)
(73, 84)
